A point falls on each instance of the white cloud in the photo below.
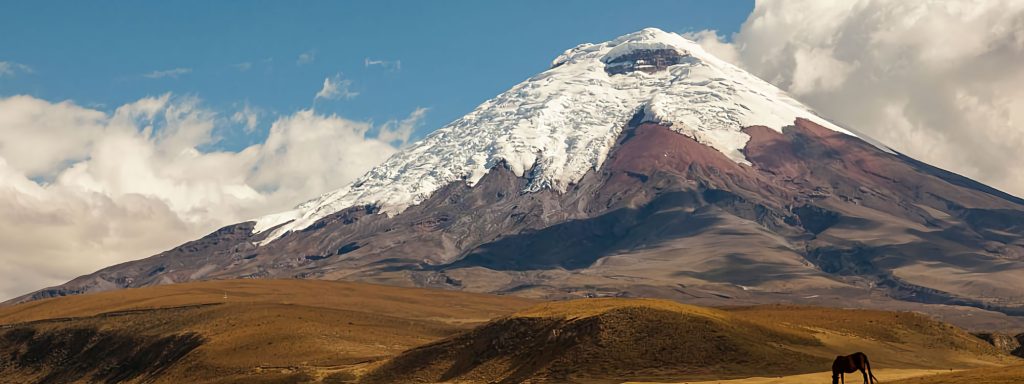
(711, 42)
(939, 81)
(393, 65)
(300, 159)
(244, 66)
(306, 58)
(398, 131)
(10, 68)
(818, 71)
(336, 87)
(98, 189)
(34, 134)
(248, 116)
(172, 73)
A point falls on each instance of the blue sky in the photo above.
(453, 54)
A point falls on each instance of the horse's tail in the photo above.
(867, 364)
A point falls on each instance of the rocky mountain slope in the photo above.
(642, 166)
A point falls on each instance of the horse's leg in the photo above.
(842, 376)
(865, 373)
(871, 375)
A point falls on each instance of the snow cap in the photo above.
(560, 124)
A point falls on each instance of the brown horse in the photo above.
(850, 364)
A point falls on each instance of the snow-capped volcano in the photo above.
(556, 126)
(642, 166)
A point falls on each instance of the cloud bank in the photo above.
(939, 81)
(81, 189)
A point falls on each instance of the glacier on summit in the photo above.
(558, 125)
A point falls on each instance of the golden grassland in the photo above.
(299, 331)
(278, 330)
(609, 340)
